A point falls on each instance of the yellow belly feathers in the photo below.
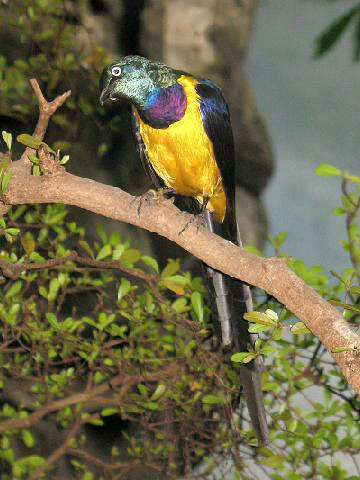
(182, 154)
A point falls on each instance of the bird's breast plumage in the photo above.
(182, 154)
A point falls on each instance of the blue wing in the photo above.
(216, 120)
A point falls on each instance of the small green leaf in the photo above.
(27, 438)
(104, 252)
(258, 317)
(12, 231)
(211, 399)
(197, 304)
(53, 289)
(243, 357)
(355, 290)
(274, 461)
(64, 159)
(338, 211)
(5, 182)
(7, 139)
(180, 305)
(326, 170)
(299, 328)
(160, 390)
(124, 288)
(34, 159)
(83, 244)
(171, 268)
(257, 328)
(106, 412)
(101, 232)
(14, 289)
(28, 242)
(150, 262)
(29, 141)
(36, 171)
(129, 257)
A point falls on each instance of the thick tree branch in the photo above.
(162, 217)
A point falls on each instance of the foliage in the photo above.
(50, 43)
(315, 415)
(102, 323)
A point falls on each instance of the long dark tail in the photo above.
(230, 299)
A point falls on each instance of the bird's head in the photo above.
(134, 79)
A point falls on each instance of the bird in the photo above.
(182, 128)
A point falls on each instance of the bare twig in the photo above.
(46, 110)
(125, 382)
(59, 452)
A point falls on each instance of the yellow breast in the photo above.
(183, 156)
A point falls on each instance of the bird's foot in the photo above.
(195, 219)
(152, 194)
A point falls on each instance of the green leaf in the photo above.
(64, 159)
(150, 262)
(299, 328)
(106, 412)
(171, 268)
(197, 304)
(273, 461)
(253, 250)
(129, 257)
(243, 357)
(5, 182)
(53, 289)
(327, 39)
(27, 438)
(34, 159)
(101, 233)
(160, 390)
(124, 288)
(257, 328)
(14, 289)
(29, 141)
(211, 399)
(7, 139)
(355, 290)
(277, 334)
(83, 244)
(28, 242)
(261, 318)
(12, 231)
(338, 211)
(36, 171)
(326, 170)
(104, 252)
(180, 305)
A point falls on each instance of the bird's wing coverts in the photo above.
(216, 120)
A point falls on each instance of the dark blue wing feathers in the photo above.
(216, 120)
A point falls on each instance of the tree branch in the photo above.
(162, 217)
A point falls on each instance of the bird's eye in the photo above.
(116, 71)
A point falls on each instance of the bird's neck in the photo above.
(164, 107)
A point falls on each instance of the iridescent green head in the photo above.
(134, 79)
